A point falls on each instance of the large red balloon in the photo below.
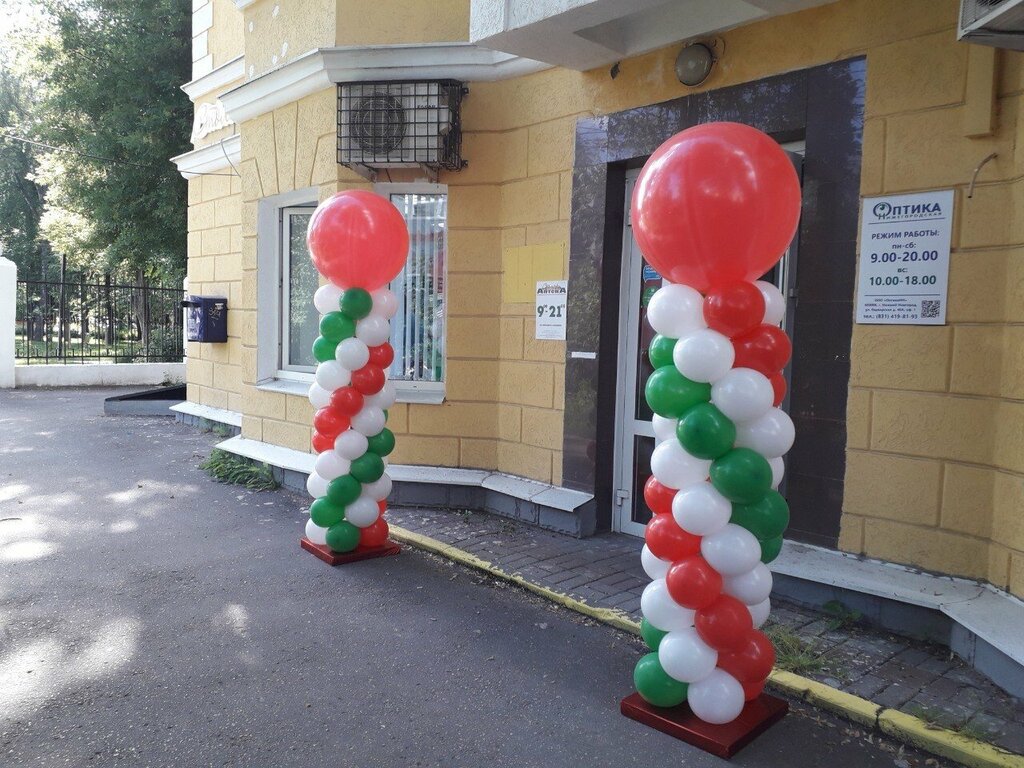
(668, 541)
(733, 308)
(330, 422)
(369, 379)
(767, 349)
(322, 443)
(714, 204)
(374, 535)
(358, 240)
(382, 355)
(658, 497)
(693, 583)
(753, 661)
(348, 400)
(725, 624)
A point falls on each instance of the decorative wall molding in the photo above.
(218, 78)
(324, 67)
(213, 158)
(210, 117)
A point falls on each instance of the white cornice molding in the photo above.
(243, 4)
(211, 81)
(325, 67)
(213, 158)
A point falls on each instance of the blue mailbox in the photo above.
(207, 318)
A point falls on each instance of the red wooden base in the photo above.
(721, 740)
(359, 553)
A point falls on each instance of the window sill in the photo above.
(406, 393)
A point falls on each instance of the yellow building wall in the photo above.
(225, 39)
(278, 31)
(386, 22)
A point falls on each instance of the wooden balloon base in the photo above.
(359, 553)
(721, 740)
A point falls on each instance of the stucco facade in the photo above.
(934, 458)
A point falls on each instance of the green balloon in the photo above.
(324, 349)
(651, 634)
(654, 684)
(356, 303)
(343, 490)
(706, 432)
(743, 476)
(770, 549)
(326, 513)
(382, 443)
(342, 537)
(367, 468)
(660, 351)
(337, 326)
(670, 394)
(766, 518)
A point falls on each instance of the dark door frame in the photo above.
(823, 105)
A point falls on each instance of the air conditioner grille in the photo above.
(378, 123)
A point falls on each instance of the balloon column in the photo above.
(713, 210)
(359, 242)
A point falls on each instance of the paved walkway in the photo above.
(923, 680)
(151, 617)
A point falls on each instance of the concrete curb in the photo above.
(893, 723)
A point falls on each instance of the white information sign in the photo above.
(904, 258)
(551, 302)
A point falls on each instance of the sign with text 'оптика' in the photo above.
(904, 258)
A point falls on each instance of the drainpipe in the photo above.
(8, 297)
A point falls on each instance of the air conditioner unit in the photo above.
(999, 23)
(400, 124)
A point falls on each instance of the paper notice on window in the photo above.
(552, 298)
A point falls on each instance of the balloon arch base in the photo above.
(723, 741)
(331, 557)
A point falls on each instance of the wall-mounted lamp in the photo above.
(694, 64)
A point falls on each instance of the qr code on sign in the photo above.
(930, 307)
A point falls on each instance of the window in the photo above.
(300, 321)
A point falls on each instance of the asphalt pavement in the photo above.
(151, 617)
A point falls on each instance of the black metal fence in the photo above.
(97, 322)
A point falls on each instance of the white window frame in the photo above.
(285, 370)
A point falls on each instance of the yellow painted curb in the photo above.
(899, 725)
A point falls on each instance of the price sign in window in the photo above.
(551, 303)
(904, 258)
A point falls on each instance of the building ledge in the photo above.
(219, 156)
(208, 412)
(223, 75)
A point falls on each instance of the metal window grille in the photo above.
(401, 124)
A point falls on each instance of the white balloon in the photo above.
(383, 399)
(750, 588)
(771, 435)
(379, 488)
(700, 509)
(654, 567)
(330, 465)
(664, 429)
(318, 396)
(717, 699)
(658, 607)
(385, 304)
(774, 303)
(373, 330)
(327, 298)
(731, 551)
(759, 613)
(363, 512)
(350, 444)
(369, 421)
(316, 485)
(703, 355)
(352, 353)
(743, 394)
(315, 533)
(675, 468)
(674, 310)
(685, 657)
(332, 375)
(778, 471)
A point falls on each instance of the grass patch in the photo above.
(839, 615)
(792, 652)
(226, 467)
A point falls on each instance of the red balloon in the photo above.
(322, 442)
(382, 355)
(734, 308)
(766, 349)
(693, 583)
(715, 204)
(753, 661)
(752, 690)
(725, 624)
(382, 505)
(330, 422)
(668, 541)
(658, 497)
(358, 240)
(779, 385)
(348, 400)
(369, 379)
(374, 535)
